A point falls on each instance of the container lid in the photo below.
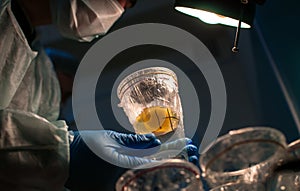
(139, 75)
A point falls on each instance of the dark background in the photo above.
(254, 94)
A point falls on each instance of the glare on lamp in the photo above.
(235, 13)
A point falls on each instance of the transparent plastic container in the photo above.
(150, 99)
(167, 175)
(247, 155)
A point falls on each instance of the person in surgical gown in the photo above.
(36, 150)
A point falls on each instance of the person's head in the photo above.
(39, 13)
(91, 19)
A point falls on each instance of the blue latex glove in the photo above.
(87, 171)
(123, 150)
(192, 152)
(181, 148)
(90, 172)
(189, 150)
(131, 150)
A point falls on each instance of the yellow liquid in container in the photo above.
(157, 120)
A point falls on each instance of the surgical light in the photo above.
(235, 13)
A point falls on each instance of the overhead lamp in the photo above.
(235, 13)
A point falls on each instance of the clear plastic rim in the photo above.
(143, 72)
(146, 168)
(294, 145)
(281, 143)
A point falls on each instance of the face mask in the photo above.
(84, 20)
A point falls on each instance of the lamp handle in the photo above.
(235, 48)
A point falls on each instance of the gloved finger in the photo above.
(193, 154)
(194, 159)
(137, 141)
(184, 147)
(191, 158)
(191, 150)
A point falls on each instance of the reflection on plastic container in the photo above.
(150, 99)
(247, 155)
(167, 175)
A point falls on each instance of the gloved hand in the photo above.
(88, 171)
(181, 148)
(119, 149)
(188, 149)
(132, 150)
(190, 152)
